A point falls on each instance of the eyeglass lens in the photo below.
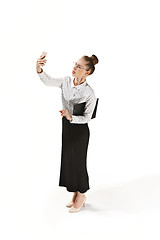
(77, 65)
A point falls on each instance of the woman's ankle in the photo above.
(74, 196)
(80, 194)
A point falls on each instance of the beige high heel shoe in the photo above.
(73, 209)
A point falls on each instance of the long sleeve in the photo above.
(50, 81)
(89, 108)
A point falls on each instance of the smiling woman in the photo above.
(75, 130)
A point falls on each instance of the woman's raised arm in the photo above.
(45, 78)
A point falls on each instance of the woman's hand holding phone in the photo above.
(41, 61)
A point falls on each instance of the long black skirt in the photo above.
(73, 170)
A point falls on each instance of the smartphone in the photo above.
(44, 53)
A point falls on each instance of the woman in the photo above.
(75, 130)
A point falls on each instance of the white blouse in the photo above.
(72, 94)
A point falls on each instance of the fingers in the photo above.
(42, 56)
(41, 62)
(63, 112)
(42, 59)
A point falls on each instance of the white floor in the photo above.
(125, 36)
(128, 211)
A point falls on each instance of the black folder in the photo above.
(78, 109)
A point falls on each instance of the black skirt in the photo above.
(73, 170)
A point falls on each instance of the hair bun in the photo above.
(94, 59)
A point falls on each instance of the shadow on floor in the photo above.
(130, 197)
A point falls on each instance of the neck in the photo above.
(79, 81)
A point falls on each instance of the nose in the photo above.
(74, 67)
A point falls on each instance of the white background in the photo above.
(123, 155)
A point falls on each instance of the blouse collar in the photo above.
(78, 86)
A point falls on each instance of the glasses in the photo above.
(79, 66)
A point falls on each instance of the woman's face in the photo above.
(79, 69)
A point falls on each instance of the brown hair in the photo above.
(91, 61)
